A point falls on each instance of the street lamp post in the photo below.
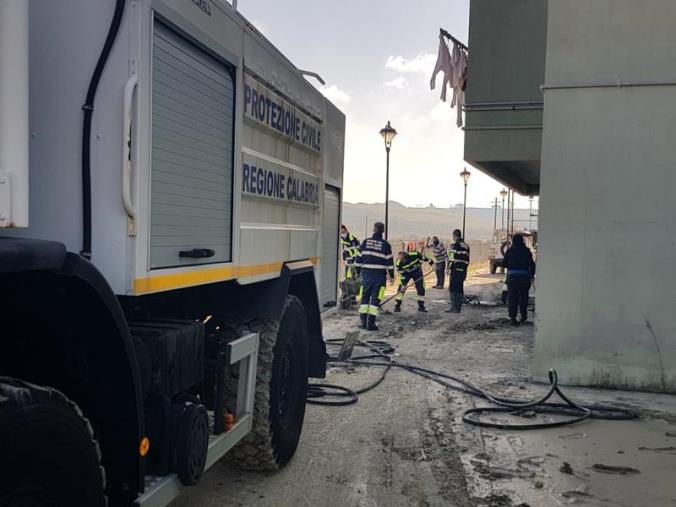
(465, 174)
(530, 213)
(503, 193)
(495, 215)
(388, 134)
(512, 225)
(509, 209)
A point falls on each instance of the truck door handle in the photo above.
(197, 253)
(129, 88)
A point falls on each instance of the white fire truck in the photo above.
(170, 189)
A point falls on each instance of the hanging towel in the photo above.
(459, 64)
(445, 65)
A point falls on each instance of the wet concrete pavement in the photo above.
(404, 443)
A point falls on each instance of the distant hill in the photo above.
(419, 223)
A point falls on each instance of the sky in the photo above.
(377, 59)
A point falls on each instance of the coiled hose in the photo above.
(381, 354)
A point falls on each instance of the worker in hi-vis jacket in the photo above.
(350, 245)
(409, 267)
(458, 264)
(376, 264)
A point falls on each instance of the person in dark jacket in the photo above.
(458, 264)
(520, 271)
(350, 245)
(409, 267)
(376, 264)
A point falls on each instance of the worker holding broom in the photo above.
(409, 267)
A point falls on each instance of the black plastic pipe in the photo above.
(88, 109)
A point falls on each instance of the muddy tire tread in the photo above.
(16, 394)
(255, 451)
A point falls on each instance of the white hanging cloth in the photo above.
(455, 75)
(459, 60)
(445, 65)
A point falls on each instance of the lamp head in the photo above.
(388, 133)
(465, 174)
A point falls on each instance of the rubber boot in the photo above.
(362, 318)
(458, 302)
(514, 322)
(421, 307)
(455, 307)
(371, 323)
(397, 307)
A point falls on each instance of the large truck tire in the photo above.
(49, 457)
(281, 385)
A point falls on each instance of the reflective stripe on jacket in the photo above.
(350, 247)
(411, 263)
(375, 254)
(458, 256)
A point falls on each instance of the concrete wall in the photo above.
(607, 258)
(507, 52)
(504, 102)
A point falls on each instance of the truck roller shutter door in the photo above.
(193, 99)
(330, 245)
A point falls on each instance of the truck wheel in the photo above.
(281, 385)
(49, 456)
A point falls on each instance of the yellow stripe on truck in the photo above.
(160, 283)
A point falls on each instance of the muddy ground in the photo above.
(404, 443)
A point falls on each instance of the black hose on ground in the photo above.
(382, 355)
(88, 108)
(340, 395)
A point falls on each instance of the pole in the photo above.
(495, 215)
(502, 226)
(513, 193)
(464, 211)
(387, 193)
(509, 209)
(530, 214)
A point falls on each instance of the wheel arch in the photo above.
(64, 328)
(302, 285)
